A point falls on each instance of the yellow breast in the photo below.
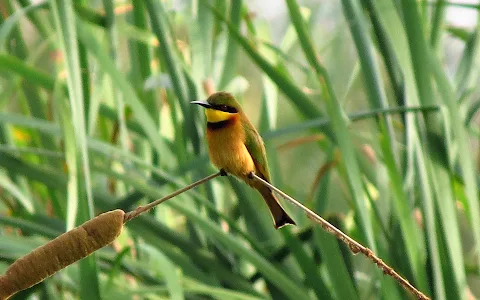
(228, 151)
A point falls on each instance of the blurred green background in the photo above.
(369, 114)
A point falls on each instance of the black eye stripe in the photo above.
(225, 108)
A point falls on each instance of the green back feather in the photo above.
(256, 148)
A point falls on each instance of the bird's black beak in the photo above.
(202, 103)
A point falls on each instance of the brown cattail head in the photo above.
(62, 251)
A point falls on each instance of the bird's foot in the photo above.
(251, 175)
(223, 172)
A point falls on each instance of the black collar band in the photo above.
(218, 125)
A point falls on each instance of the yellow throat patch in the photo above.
(214, 115)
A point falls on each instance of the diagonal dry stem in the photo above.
(141, 209)
(354, 246)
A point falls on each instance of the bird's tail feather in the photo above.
(279, 215)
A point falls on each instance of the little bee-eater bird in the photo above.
(236, 147)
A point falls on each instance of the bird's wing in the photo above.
(256, 148)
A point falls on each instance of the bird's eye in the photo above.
(224, 107)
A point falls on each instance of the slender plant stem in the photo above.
(141, 209)
(354, 246)
(320, 123)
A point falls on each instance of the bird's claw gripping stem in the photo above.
(223, 172)
(251, 175)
